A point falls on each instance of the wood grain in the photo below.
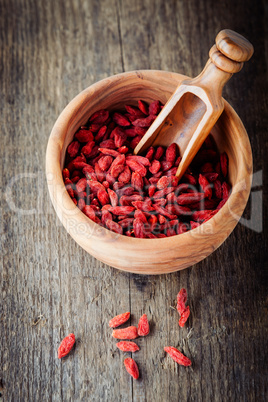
(50, 51)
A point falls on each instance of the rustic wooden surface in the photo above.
(51, 50)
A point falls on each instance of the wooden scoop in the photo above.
(193, 109)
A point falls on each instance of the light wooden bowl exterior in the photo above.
(146, 256)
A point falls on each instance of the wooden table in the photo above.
(50, 51)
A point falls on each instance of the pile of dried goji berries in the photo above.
(140, 196)
(128, 333)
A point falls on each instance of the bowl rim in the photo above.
(57, 188)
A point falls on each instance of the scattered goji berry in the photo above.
(181, 300)
(177, 356)
(127, 346)
(143, 326)
(182, 309)
(125, 333)
(66, 345)
(131, 367)
(184, 316)
(119, 320)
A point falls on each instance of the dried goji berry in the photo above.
(108, 151)
(171, 153)
(87, 149)
(116, 170)
(66, 174)
(122, 210)
(141, 215)
(225, 190)
(113, 226)
(181, 300)
(163, 182)
(137, 167)
(184, 316)
(123, 149)
(143, 107)
(84, 135)
(120, 119)
(131, 132)
(101, 133)
(136, 181)
(95, 186)
(99, 117)
(189, 178)
(166, 165)
(105, 162)
(221, 204)
(201, 215)
(66, 346)
(134, 111)
(125, 176)
(181, 228)
(105, 215)
(155, 107)
(89, 211)
(73, 149)
(119, 137)
(189, 198)
(205, 185)
(81, 185)
(194, 224)
(131, 367)
(103, 197)
(134, 142)
(138, 227)
(177, 356)
(224, 163)
(145, 122)
(127, 346)
(125, 333)
(155, 166)
(143, 326)
(150, 153)
(113, 197)
(218, 189)
(119, 320)
(69, 187)
(211, 176)
(126, 222)
(140, 159)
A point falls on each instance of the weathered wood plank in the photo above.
(49, 52)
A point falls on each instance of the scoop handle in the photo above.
(228, 55)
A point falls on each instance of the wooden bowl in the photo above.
(146, 256)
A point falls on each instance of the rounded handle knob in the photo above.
(230, 51)
(234, 45)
